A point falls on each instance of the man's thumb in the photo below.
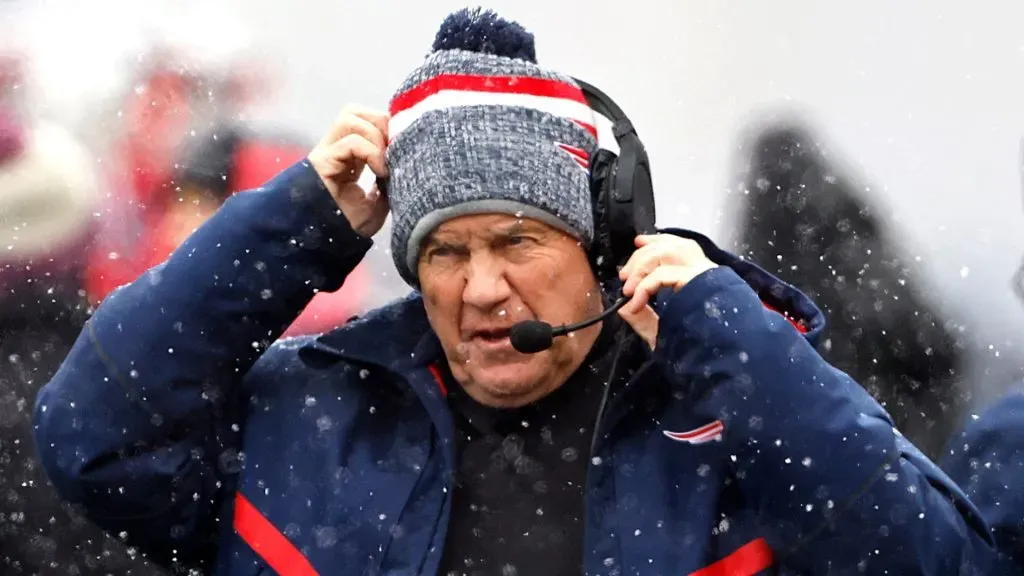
(644, 323)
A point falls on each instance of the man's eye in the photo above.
(517, 240)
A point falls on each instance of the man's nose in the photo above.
(486, 285)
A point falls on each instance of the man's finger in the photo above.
(647, 258)
(643, 260)
(644, 323)
(641, 295)
(353, 124)
(636, 275)
(661, 277)
(377, 118)
(354, 147)
(646, 239)
(376, 193)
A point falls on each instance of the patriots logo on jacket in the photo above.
(704, 434)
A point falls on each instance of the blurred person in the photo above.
(48, 193)
(697, 431)
(803, 217)
(175, 108)
(228, 159)
(171, 98)
(12, 78)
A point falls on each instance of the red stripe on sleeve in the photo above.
(436, 372)
(748, 560)
(267, 541)
(798, 325)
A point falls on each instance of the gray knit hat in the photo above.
(478, 128)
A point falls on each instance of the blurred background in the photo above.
(870, 153)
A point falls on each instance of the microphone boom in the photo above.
(532, 336)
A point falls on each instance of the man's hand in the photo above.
(357, 139)
(660, 261)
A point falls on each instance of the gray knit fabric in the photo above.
(464, 62)
(484, 159)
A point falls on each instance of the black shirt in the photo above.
(518, 503)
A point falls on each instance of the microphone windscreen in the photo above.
(531, 336)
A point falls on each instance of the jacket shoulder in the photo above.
(384, 336)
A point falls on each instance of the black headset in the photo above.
(622, 198)
(621, 191)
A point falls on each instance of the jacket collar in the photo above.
(773, 291)
(398, 336)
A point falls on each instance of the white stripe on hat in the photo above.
(448, 99)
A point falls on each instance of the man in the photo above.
(702, 434)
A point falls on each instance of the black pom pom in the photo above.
(478, 30)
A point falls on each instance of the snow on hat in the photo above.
(48, 190)
(479, 128)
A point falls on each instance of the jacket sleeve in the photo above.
(834, 486)
(140, 425)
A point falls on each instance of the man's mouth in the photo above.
(492, 336)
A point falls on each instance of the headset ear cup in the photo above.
(621, 191)
(602, 176)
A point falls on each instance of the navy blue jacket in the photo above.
(179, 424)
(987, 460)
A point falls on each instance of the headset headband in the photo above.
(605, 106)
(621, 188)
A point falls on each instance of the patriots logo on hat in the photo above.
(578, 155)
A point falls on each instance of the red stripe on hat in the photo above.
(578, 155)
(480, 83)
(587, 127)
(577, 152)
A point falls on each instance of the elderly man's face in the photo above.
(481, 274)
